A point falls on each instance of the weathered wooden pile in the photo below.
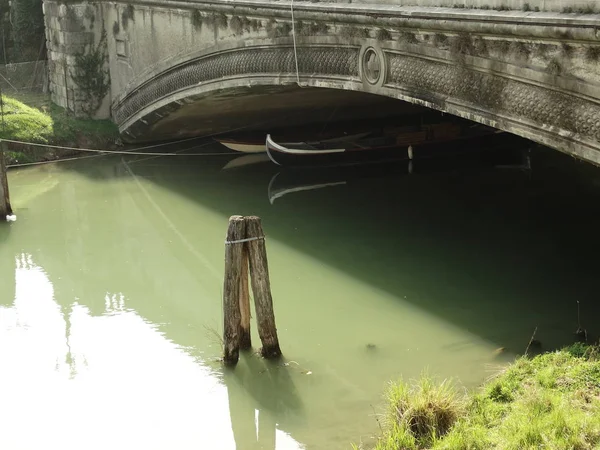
(246, 257)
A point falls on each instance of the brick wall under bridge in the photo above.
(178, 68)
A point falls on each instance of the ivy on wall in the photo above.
(91, 76)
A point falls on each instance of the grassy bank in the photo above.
(551, 401)
(33, 118)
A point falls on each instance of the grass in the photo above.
(33, 118)
(550, 401)
(24, 123)
(420, 415)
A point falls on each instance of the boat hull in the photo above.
(508, 152)
(301, 155)
(243, 147)
(287, 156)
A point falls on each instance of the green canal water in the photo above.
(111, 283)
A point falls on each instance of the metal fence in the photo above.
(24, 77)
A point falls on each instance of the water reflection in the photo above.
(117, 284)
(269, 400)
(65, 371)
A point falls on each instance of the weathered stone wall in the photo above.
(575, 6)
(536, 74)
(142, 36)
(71, 29)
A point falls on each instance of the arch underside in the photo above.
(213, 82)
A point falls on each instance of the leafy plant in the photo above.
(90, 75)
(27, 19)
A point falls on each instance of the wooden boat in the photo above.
(507, 152)
(256, 143)
(242, 146)
(406, 143)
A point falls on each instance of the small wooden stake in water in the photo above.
(245, 340)
(261, 287)
(231, 290)
(5, 209)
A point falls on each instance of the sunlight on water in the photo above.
(115, 377)
(110, 307)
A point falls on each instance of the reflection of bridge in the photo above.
(86, 309)
(442, 226)
(182, 68)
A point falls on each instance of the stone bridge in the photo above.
(166, 68)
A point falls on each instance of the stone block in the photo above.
(70, 59)
(59, 37)
(53, 23)
(78, 38)
(58, 79)
(71, 23)
(58, 69)
(60, 101)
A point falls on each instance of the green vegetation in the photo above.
(24, 123)
(49, 124)
(549, 401)
(26, 24)
(91, 76)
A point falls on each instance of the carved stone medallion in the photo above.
(372, 66)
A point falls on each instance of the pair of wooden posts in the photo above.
(245, 250)
(5, 209)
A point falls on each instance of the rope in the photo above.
(170, 224)
(120, 152)
(294, 38)
(135, 151)
(53, 161)
(239, 241)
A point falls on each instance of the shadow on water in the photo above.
(269, 392)
(494, 252)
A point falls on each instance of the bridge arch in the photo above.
(534, 74)
(523, 101)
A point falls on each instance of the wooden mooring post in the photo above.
(231, 290)
(261, 288)
(5, 209)
(245, 252)
(245, 339)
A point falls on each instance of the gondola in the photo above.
(507, 153)
(256, 143)
(421, 143)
